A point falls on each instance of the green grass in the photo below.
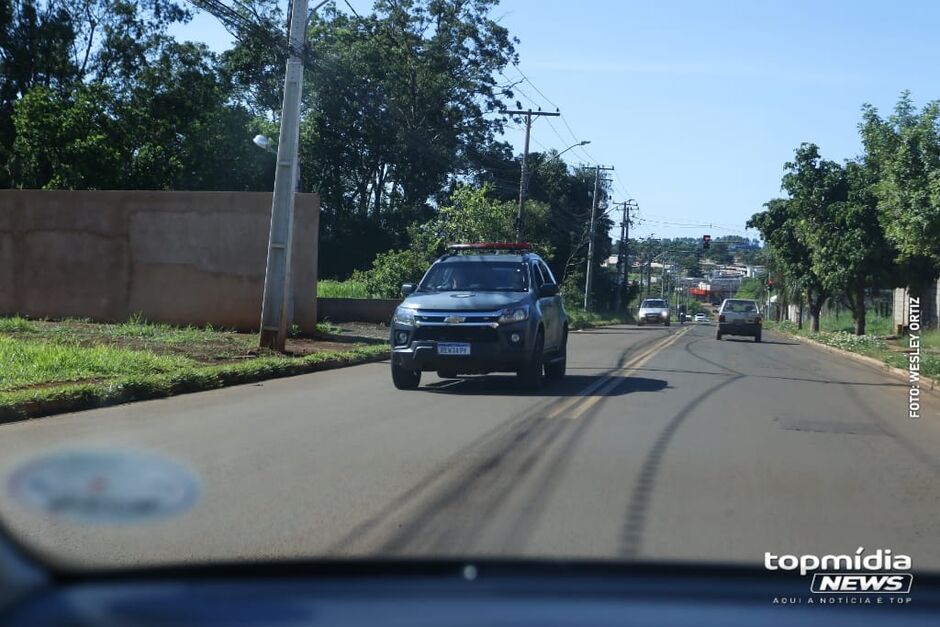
(580, 319)
(200, 343)
(930, 340)
(26, 362)
(53, 366)
(16, 324)
(328, 328)
(874, 324)
(342, 289)
(41, 401)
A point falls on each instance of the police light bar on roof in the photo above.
(491, 246)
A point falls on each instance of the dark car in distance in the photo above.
(481, 308)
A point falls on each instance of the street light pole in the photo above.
(274, 304)
(584, 143)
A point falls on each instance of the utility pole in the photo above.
(523, 182)
(662, 279)
(649, 266)
(589, 274)
(274, 305)
(623, 265)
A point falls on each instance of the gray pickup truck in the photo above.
(481, 308)
(739, 317)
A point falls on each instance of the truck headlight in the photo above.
(514, 314)
(404, 316)
(663, 314)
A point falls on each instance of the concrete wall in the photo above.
(176, 257)
(356, 309)
(929, 308)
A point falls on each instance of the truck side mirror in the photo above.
(548, 289)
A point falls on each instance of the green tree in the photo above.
(753, 289)
(790, 252)
(903, 152)
(814, 184)
(172, 128)
(180, 131)
(472, 215)
(65, 141)
(849, 250)
(395, 110)
(36, 39)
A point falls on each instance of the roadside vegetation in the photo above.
(871, 222)
(350, 288)
(54, 366)
(580, 319)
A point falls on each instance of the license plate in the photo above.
(450, 348)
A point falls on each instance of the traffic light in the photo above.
(770, 285)
(706, 241)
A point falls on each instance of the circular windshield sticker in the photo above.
(104, 486)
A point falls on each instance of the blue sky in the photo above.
(699, 104)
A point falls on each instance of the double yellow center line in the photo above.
(575, 407)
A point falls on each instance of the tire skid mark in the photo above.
(432, 513)
(452, 519)
(637, 513)
(638, 507)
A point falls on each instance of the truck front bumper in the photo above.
(491, 350)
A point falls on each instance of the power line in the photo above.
(622, 184)
(356, 13)
(577, 140)
(526, 79)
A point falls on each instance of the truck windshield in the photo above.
(508, 276)
(654, 304)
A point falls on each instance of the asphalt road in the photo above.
(662, 443)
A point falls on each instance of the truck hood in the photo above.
(464, 301)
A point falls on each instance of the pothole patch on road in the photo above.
(829, 426)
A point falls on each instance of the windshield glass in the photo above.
(486, 276)
(740, 306)
(654, 304)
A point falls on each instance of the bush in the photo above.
(572, 289)
(391, 269)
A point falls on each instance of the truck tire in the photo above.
(555, 371)
(531, 375)
(405, 379)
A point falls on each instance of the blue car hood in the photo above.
(465, 301)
